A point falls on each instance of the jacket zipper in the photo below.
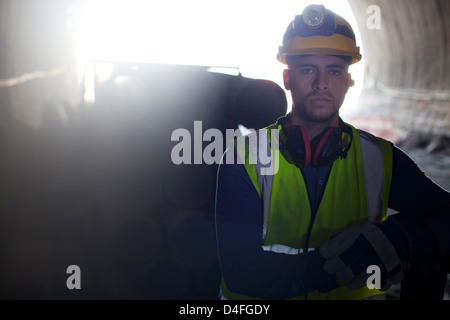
(315, 207)
(314, 210)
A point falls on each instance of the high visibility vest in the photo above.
(357, 190)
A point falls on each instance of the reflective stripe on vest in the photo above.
(258, 143)
(373, 174)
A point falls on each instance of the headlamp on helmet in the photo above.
(315, 20)
(314, 16)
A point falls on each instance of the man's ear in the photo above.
(287, 86)
(351, 82)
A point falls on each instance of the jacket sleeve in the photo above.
(246, 268)
(414, 194)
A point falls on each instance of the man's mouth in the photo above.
(319, 99)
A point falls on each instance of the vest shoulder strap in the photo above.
(372, 158)
(260, 149)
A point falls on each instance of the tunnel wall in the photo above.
(407, 64)
(38, 68)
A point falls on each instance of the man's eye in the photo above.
(307, 70)
(335, 72)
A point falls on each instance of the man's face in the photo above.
(318, 84)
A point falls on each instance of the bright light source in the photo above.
(233, 33)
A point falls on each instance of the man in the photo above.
(312, 225)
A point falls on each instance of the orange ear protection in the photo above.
(322, 150)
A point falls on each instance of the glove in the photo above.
(350, 253)
(388, 245)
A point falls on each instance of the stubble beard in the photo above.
(300, 111)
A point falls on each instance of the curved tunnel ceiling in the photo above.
(407, 62)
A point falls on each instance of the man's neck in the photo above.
(312, 128)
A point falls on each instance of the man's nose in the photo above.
(320, 82)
